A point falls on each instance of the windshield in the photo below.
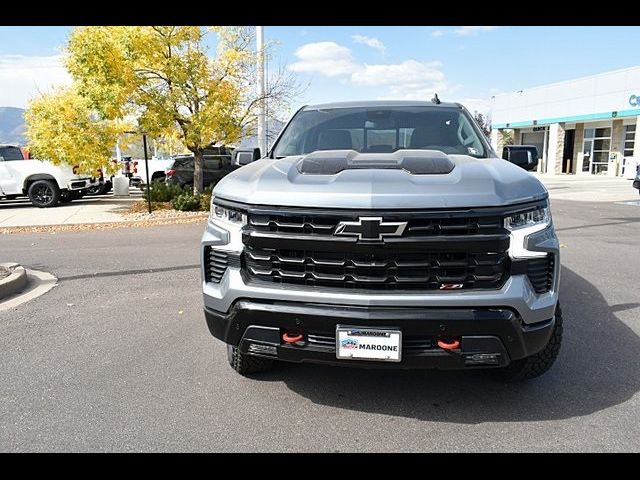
(11, 153)
(381, 130)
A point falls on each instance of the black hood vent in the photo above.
(416, 162)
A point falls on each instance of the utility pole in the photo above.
(262, 121)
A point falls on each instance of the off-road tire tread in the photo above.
(535, 365)
(247, 364)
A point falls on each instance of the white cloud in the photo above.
(481, 105)
(327, 58)
(408, 80)
(465, 31)
(437, 33)
(22, 77)
(369, 41)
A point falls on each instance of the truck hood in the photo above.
(472, 182)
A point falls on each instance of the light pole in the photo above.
(146, 164)
(262, 124)
(146, 169)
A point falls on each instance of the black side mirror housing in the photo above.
(525, 156)
(246, 155)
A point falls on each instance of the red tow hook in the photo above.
(452, 345)
(288, 337)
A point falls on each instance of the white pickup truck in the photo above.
(44, 183)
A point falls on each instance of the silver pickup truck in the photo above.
(383, 234)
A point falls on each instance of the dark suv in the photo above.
(217, 164)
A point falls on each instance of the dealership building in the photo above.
(585, 126)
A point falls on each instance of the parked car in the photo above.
(383, 234)
(636, 181)
(44, 183)
(216, 166)
(157, 170)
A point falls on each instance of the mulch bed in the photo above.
(139, 220)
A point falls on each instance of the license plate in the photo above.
(363, 343)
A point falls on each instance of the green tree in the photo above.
(166, 81)
(483, 122)
(63, 129)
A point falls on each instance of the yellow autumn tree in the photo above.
(63, 129)
(167, 79)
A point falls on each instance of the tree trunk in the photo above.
(198, 174)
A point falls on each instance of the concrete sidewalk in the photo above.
(102, 209)
(589, 188)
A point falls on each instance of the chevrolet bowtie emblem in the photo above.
(371, 228)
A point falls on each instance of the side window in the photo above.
(184, 163)
(11, 153)
(214, 163)
(468, 137)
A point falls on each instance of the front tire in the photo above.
(247, 364)
(44, 193)
(538, 364)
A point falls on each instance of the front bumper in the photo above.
(80, 184)
(489, 337)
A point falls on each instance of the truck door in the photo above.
(8, 181)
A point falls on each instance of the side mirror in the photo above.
(525, 156)
(244, 156)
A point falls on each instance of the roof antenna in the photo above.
(435, 99)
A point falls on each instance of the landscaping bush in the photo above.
(186, 202)
(205, 202)
(162, 192)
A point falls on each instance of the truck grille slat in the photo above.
(384, 271)
(419, 225)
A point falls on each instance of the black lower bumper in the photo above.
(489, 337)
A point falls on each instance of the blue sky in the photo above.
(466, 64)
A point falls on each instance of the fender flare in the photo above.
(37, 176)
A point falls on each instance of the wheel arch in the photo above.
(37, 176)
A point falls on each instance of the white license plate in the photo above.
(364, 343)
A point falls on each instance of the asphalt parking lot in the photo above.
(117, 357)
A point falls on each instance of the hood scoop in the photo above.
(416, 162)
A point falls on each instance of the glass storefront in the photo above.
(596, 147)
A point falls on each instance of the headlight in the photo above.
(226, 215)
(531, 218)
(522, 225)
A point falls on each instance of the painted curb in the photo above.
(15, 282)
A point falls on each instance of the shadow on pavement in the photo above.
(597, 368)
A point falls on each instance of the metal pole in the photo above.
(262, 134)
(146, 168)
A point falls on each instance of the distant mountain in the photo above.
(12, 125)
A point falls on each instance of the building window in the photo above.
(629, 140)
(596, 147)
